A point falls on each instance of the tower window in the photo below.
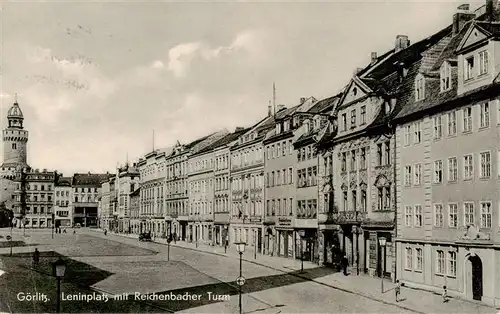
(14, 146)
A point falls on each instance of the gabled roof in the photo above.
(408, 56)
(433, 95)
(94, 179)
(223, 141)
(449, 51)
(324, 105)
(64, 181)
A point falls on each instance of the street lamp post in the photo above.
(58, 270)
(302, 234)
(382, 242)
(240, 248)
(10, 239)
(168, 248)
(53, 223)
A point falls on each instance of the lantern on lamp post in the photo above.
(382, 242)
(58, 271)
(240, 248)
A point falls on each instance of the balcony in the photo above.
(350, 217)
(327, 218)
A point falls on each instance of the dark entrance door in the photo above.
(477, 277)
(259, 240)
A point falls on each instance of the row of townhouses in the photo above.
(400, 171)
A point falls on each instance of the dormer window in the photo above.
(354, 91)
(419, 87)
(483, 62)
(307, 126)
(286, 126)
(278, 128)
(344, 121)
(469, 68)
(445, 76)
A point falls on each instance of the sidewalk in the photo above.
(279, 263)
(370, 287)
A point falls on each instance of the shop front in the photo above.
(284, 237)
(307, 247)
(269, 239)
(221, 234)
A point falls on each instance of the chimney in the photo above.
(302, 100)
(463, 15)
(402, 42)
(373, 57)
(238, 128)
(269, 111)
(280, 107)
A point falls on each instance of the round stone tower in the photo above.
(15, 139)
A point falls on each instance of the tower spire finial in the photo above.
(15, 98)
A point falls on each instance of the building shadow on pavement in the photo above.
(22, 277)
(231, 288)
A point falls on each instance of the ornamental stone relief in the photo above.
(363, 176)
(343, 178)
(363, 186)
(385, 171)
(353, 184)
(344, 187)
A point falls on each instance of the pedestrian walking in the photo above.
(445, 294)
(105, 232)
(36, 258)
(397, 290)
(345, 263)
(175, 237)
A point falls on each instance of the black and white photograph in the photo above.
(250, 157)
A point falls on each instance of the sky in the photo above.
(94, 79)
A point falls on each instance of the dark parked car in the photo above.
(145, 236)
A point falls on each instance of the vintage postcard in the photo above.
(250, 157)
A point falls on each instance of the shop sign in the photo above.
(255, 219)
(284, 221)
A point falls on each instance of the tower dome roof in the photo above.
(15, 112)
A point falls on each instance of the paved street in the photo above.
(114, 265)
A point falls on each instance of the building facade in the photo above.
(128, 179)
(86, 188)
(247, 186)
(308, 121)
(222, 193)
(135, 198)
(448, 161)
(108, 218)
(177, 193)
(201, 196)
(152, 169)
(63, 202)
(201, 179)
